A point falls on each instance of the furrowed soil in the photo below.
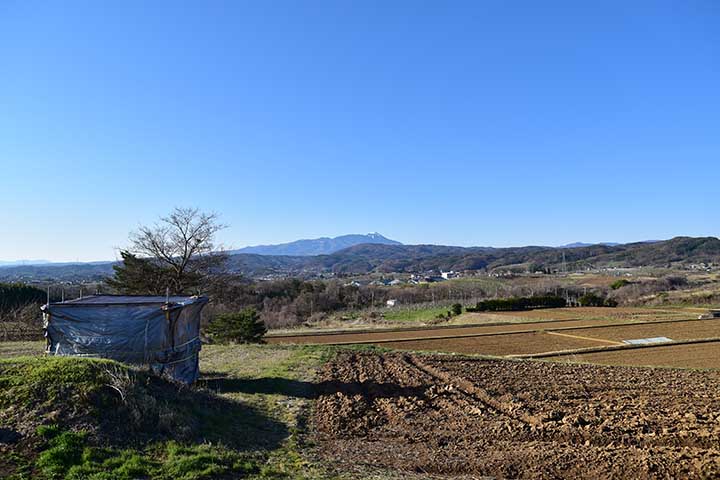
(689, 330)
(339, 338)
(450, 416)
(699, 355)
(429, 332)
(512, 344)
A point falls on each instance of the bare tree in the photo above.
(183, 243)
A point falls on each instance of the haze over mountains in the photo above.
(23, 262)
(393, 257)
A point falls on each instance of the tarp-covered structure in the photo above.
(162, 332)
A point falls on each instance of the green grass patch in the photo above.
(414, 315)
(68, 456)
(27, 380)
(101, 420)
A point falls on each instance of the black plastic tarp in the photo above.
(162, 332)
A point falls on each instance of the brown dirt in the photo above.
(694, 329)
(451, 416)
(700, 355)
(512, 344)
(367, 337)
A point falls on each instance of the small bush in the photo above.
(617, 284)
(241, 327)
(456, 309)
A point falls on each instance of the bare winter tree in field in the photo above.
(178, 251)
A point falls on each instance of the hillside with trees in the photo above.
(382, 258)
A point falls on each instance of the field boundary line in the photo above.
(601, 340)
(366, 331)
(491, 334)
(445, 327)
(612, 348)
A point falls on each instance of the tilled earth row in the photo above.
(449, 415)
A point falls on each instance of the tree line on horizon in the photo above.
(179, 255)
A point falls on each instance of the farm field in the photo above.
(491, 323)
(582, 340)
(352, 413)
(429, 332)
(697, 355)
(451, 416)
(499, 345)
(601, 313)
(693, 329)
(404, 317)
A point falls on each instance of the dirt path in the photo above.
(452, 416)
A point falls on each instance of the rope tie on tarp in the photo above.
(147, 325)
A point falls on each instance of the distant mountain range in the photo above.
(397, 258)
(317, 246)
(581, 244)
(23, 262)
(607, 244)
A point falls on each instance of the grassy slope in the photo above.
(252, 426)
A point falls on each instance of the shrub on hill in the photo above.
(618, 284)
(594, 300)
(240, 327)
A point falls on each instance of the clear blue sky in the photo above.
(467, 123)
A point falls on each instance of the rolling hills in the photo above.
(386, 258)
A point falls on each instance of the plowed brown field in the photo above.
(512, 344)
(468, 331)
(698, 355)
(517, 419)
(693, 329)
(379, 335)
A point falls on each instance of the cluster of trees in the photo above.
(649, 291)
(595, 300)
(518, 303)
(14, 295)
(290, 302)
(20, 311)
